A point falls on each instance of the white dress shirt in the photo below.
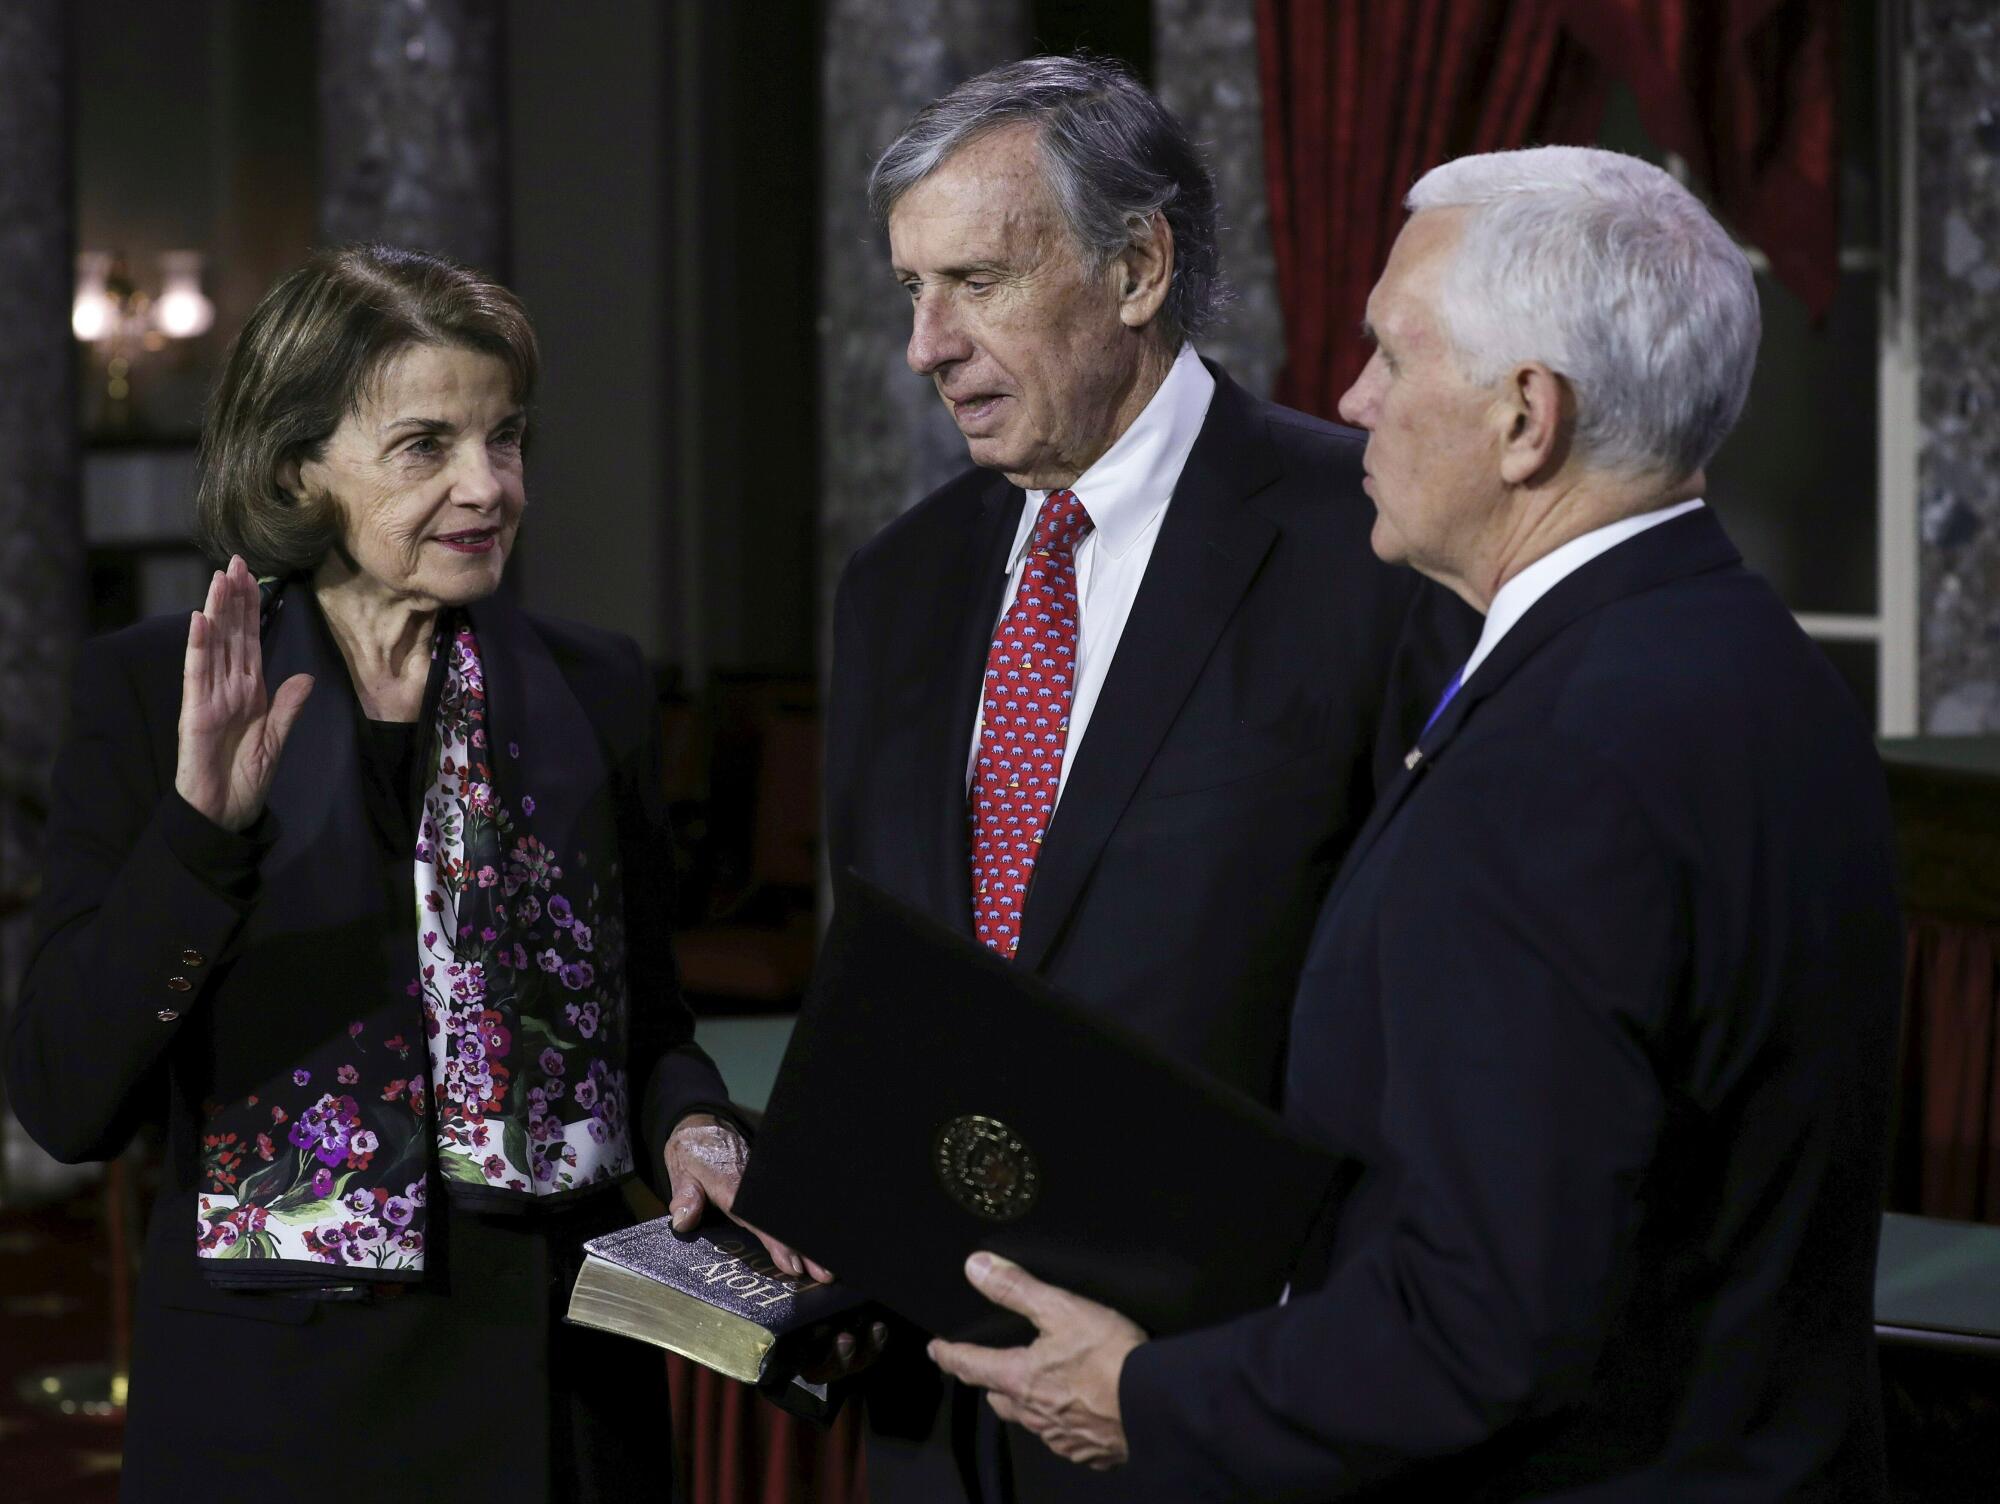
(1514, 598)
(1126, 494)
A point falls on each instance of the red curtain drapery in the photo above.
(1361, 100)
(1948, 1100)
(1745, 91)
(733, 1447)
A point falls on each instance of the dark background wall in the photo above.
(194, 130)
(590, 192)
(662, 162)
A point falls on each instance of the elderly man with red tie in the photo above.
(1115, 700)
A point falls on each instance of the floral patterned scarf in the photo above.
(498, 1071)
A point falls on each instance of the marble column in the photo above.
(41, 535)
(1956, 46)
(885, 438)
(413, 126)
(1205, 68)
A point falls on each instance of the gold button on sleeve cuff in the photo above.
(179, 984)
(192, 958)
(167, 1015)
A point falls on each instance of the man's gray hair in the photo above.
(1612, 274)
(1112, 156)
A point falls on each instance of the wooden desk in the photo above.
(1937, 1286)
(1945, 1148)
(1937, 1324)
(1945, 792)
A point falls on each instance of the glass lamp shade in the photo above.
(94, 314)
(181, 311)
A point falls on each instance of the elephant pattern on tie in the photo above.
(1024, 724)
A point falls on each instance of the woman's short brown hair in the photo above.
(305, 358)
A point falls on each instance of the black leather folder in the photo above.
(935, 1100)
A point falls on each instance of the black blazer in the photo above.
(1229, 759)
(1603, 1008)
(147, 985)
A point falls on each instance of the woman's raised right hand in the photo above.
(230, 732)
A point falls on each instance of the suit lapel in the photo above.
(967, 591)
(1209, 549)
(1689, 545)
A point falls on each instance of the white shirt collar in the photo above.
(1134, 479)
(1513, 599)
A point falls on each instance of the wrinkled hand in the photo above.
(230, 733)
(705, 1162)
(1063, 1386)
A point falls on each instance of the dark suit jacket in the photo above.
(1603, 1007)
(103, 1040)
(1229, 760)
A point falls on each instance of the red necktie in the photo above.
(1024, 724)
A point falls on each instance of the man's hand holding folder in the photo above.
(1063, 1386)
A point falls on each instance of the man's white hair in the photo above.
(1606, 270)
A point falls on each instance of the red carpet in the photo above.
(53, 1312)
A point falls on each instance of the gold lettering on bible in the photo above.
(756, 1278)
(986, 1168)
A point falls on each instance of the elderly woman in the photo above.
(385, 951)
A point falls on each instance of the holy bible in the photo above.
(714, 1296)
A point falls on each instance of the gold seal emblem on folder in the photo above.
(986, 1168)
